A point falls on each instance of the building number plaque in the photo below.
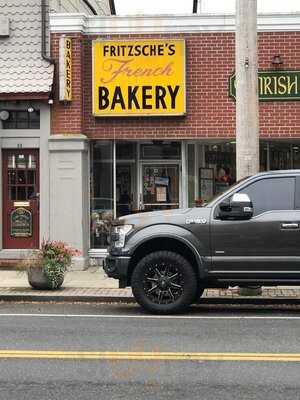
(21, 223)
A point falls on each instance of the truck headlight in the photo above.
(119, 233)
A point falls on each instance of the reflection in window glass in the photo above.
(161, 150)
(191, 175)
(280, 157)
(30, 177)
(21, 193)
(31, 161)
(12, 193)
(221, 158)
(22, 119)
(126, 152)
(263, 156)
(160, 187)
(30, 192)
(21, 161)
(101, 192)
(22, 177)
(296, 155)
(34, 120)
(12, 162)
(11, 177)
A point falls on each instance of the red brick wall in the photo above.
(210, 112)
(67, 118)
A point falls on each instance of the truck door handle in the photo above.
(289, 225)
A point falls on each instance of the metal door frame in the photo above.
(159, 163)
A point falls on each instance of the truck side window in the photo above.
(272, 194)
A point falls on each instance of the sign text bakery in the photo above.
(140, 77)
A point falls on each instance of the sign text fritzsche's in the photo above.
(139, 77)
(274, 85)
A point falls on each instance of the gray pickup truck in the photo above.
(249, 235)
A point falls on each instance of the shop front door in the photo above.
(160, 186)
(20, 169)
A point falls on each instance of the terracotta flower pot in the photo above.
(38, 280)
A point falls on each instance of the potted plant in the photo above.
(46, 267)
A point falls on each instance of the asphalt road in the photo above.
(89, 351)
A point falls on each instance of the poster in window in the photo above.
(206, 184)
(162, 180)
(161, 194)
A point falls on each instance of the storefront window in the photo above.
(22, 119)
(280, 157)
(220, 161)
(263, 156)
(126, 177)
(210, 169)
(160, 175)
(160, 186)
(150, 175)
(191, 148)
(296, 155)
(147, 177)
(275, 155)
(102, 203)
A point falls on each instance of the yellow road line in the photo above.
(167, 356)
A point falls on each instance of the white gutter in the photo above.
(64, 23)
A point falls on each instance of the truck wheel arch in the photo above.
(174, 244)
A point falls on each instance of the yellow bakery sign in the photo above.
(140, 77)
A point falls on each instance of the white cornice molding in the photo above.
(66, 23)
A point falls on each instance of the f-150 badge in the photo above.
(200, 221)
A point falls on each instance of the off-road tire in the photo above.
(186, 281)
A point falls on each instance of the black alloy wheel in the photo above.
(164, 282)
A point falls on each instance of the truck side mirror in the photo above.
(225, 205)
(238, 207)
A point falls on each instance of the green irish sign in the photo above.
(274, 85)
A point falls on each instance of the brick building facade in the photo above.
(210, 110)
(124, 156)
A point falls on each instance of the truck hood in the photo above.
(181, 216)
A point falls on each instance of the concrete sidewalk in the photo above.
(93, 285)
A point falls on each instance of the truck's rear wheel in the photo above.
(164, 282)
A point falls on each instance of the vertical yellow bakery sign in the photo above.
(65, 69)
(139, 77)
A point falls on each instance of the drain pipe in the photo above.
(195, 6)
(112, 7)
(87, 3)
(43, 47)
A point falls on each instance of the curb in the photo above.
(130, 299)
(66, 299)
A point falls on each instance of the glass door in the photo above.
(160, 186)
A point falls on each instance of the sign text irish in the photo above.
(274, 85)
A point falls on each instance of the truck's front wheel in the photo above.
(164, 282)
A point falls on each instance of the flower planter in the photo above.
(46, 266)
(38, 280)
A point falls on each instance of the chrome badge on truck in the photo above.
(201, 221)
